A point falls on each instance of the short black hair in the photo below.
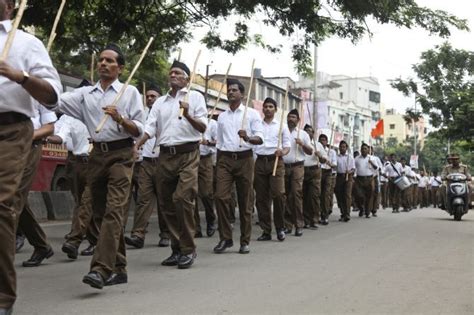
(271, 101)
(343, 142)
(238, 83)
(120, 55)
(323, 136)
(364, 145)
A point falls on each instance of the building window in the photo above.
(374, 96)
(278, 97)
(392, 126)
(341, 95)
(261, 91)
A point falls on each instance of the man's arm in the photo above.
(43, 131)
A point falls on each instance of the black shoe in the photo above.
(325, 222)
(211, 229)
(186, 261)
(223, 245)
(6, 311)
(164, 242)
(281, 235)
(171, 260)
(94, 279)
(313, 227)
(116, 278)
(367, 216)
(347, 219)
(70, 250)
(89, 251)
(374, 214)
(306, 226)
(265, 237)
(20, 241)
(244, 249)
(38, 256)
(287, 231)
(67, 236)
(134, 241)
(361, 213)
(341, 219)
(298, 232)
(198, 234)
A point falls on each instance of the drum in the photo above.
(402, 182)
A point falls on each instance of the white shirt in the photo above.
(75, 132)
(271, 136)
(230, 122)
(345, 163)
(363, 167)
(209, 135)
(311, 160)
(414, 177)
(42, 116)
(296, 153)
(86, 104)
(149, 149)
(391, 167)
(424, 181)
(332, 160)
(383, 170)
(57, 127)
(164, 123)
(27, 53)
(435, 181)
(406, 170)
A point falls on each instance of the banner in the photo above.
(414, 161)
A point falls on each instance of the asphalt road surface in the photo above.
(420, 262)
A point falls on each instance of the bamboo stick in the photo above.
(52, 36)
(92, 67)
(125, 85)
(144, 94)
(220, 93)
(244, 118)
(193, 74)
(285, 104)
(300, 111)
(11, 34)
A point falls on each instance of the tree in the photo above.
(87, 25)
(445, 90)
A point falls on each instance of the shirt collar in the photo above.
(116, 85)
(240, 108)
(6, 25)
(273, 122)
(184, 90)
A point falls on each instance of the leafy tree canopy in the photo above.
(88, 25)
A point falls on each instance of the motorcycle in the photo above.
(457, 202)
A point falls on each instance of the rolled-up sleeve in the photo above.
(286, 138)
(199, 104)
(256, 125)
(72, 104)
(150, 124)
(135, 110)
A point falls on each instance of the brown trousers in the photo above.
(423, 197)
(268, 188)
(311, 195)
(434, 196)
(147, 200)
(343, 192)
(365, 190)
(326, 178)
(229, 170)
(376, 196)
(133, 193)
(15, 141)
(332, 183)
(406, 197)
(27, 223)
(110, 175)
(394, 193)
(294, 177)
(205, 191)
(177, 191)
(384, 195)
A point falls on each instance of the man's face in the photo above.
(178, 79)
(342, 148)
(455, 162)
(364, 150)
(310, 132)
(323, 141)
(108, 66)
(269, 110)
(292, 121)
(151, 97)
(403, 162)
(233, 94)
(392, 158)
(6, 9)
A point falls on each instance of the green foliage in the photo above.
(445, 90)
(87, 25)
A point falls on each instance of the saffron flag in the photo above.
(378, 130)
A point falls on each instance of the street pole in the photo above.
(414, 130)
(315, 104)
(207, 83)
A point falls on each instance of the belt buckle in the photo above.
(104, 147)
(172, 150)
(234, 156)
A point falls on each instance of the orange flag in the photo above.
(378, 130)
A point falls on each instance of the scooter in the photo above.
(457, 202)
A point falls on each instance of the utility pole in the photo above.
(207, 83)
(315, 104)
(414, 129)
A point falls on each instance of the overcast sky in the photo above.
(387, 55)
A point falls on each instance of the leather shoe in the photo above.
(37, 257)
(89, 251)
(223, 245)
(347, 219)
(135, 241)
(265, 237)
(171, 260)
(361, 213)
(6, 311)
(374, 214)
(211, 229)
(70, 250)
(367, 216)
(313, 227)
(281, 235)
(116, 278)
(186, 261)
(299, 232)
(325, 222)
(94, 279)
(306, 226)
(164, 242)
(20, 241)
(198, 234)
(287, 231)
(244, 249)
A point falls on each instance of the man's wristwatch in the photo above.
(26, 76)
(120, 121)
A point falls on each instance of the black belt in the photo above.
(268, 158)
(370, 176)
(294, 164)
(237, 155)
(311, 168)
(149, 159)
(84, 159)
(205, 156)
(326, 170)
(9, 118)
(113, 145)
(180, 148)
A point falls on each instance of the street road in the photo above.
(420, 262)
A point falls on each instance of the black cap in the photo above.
(307, 126)
(154, 87)
(114, 47)
(271, 101)
(182, 66)
(294, 111)
(83, 83)
(237, 82)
